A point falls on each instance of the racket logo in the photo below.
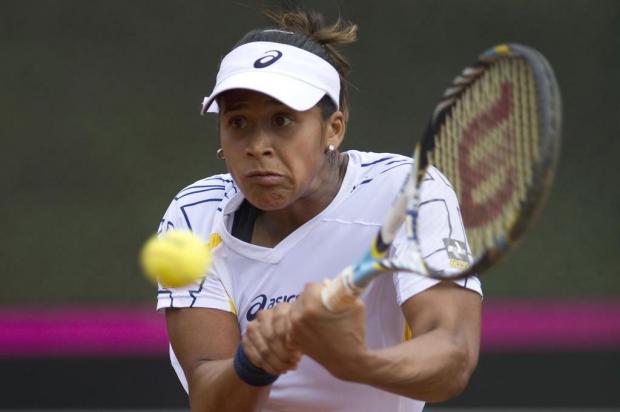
(486, 166)
(268, 60)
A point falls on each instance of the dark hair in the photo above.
(307, 30)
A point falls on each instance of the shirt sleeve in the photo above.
(208, 292)
(442, 237)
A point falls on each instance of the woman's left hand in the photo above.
(266, 341)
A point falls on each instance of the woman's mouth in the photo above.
(264, 177)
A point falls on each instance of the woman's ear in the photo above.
(335, 129)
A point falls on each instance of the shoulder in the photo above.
(212, 188)
(385, 171)
(381, 172)
(371, 184)
(436, 186)
(377, 162)
(197, 205)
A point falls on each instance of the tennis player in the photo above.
(291, 211)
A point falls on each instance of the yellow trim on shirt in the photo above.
(214, 241)
(407, 333)
(232, 307)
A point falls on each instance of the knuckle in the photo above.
(264, 351)
(307, 287)
(270, 340)
(251, 328)
(296, 323)
(312, 312)
(283, 308)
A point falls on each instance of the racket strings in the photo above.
(487, 148)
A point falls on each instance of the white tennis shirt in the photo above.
(245, 278)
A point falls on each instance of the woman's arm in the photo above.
(437, 363)
(205, 341)
(433, 366)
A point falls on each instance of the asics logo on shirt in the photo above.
(261, 302)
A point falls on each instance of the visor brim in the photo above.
(294, 93)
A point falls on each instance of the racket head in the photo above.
(495, 136)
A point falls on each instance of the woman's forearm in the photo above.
(432, 367)
(215, 386)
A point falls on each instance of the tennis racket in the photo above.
(495, 135)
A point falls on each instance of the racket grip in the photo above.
(339, 294)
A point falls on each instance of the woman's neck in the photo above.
(271, 227)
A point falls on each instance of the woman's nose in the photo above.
(259, 144)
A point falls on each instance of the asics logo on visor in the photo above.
(268, 60)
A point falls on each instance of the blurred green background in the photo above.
(99, 123)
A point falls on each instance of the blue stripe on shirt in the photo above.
(189, 225)
(211, 188)
(377, 161)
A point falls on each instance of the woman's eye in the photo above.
(281, 120)
(238, 122)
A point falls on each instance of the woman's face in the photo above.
(275, 154)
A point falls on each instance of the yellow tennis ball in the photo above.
(175, 259)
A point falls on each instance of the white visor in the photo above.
(295, 77)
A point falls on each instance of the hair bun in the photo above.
(313, 25)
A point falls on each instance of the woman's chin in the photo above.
(268, 201)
